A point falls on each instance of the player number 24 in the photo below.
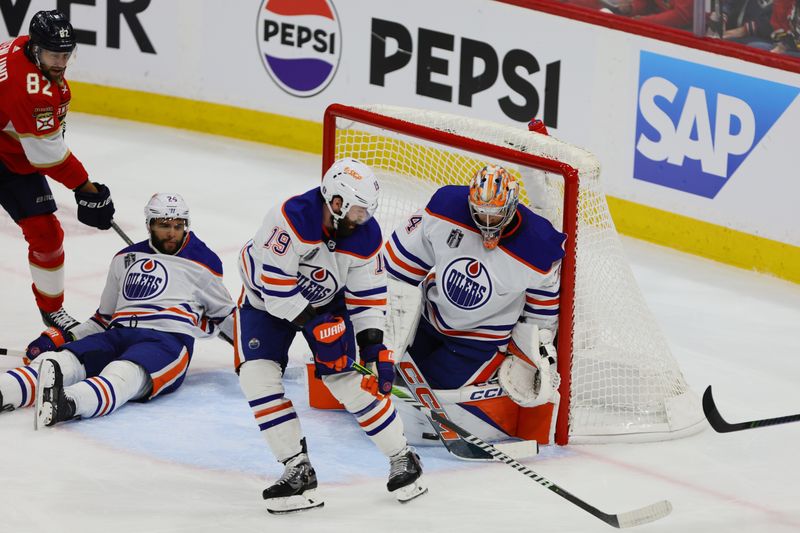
(34, 84)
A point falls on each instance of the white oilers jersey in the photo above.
(291, 263)
(471, 292)
(181, 293)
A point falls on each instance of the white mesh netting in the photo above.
(626, 385)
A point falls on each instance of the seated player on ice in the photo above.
(160, 294)
(314, 266)
(489, 274)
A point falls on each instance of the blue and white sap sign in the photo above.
(695, 124)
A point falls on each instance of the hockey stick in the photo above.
(721, 426)
(636, 517)
(406, 301)
(12, 353)
(423, 394)
(121, 233)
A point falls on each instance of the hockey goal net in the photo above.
(619, 380)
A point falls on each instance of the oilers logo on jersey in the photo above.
(466, 283)
(316, 284)
(145, 279)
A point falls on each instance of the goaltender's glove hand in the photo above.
(384, 365)
(50, 339)
(95, 208)
(333, 344)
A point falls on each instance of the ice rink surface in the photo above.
(194, 461)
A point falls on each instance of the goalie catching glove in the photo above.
(333, 346)
(528, 373)
(381, 384)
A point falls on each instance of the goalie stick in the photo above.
(12, 353)
(406, 302)
(636, 517)
(721, 426)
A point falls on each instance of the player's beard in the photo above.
(167, 246)
(345, 228)
(56, 75)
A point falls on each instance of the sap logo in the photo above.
(454, 69)
(300, 44)
(695, 125)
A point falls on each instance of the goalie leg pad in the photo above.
(261, 383)
(376, 416)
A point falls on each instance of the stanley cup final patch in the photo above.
(455, 238)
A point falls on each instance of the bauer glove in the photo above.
(384, 365)
(95, 209)
(332, 343)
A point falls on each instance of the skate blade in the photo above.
(410, 492)
(46, 379)
(294, 504)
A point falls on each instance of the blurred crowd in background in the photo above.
(770, 25)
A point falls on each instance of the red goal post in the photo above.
(413, 152)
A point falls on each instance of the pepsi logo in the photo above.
(300, 44)
(466, 283)
(145, 279)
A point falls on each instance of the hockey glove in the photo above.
(50, 339)
(333, 346)
(384, 365)
(95, 208)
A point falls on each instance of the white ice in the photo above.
(194, 460)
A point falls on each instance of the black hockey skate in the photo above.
(59, 319)
(296, 490)
(52, 405)
(405, 470)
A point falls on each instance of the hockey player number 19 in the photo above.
(33, 84)
(278, 241)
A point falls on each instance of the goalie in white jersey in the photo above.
(160, 295)
(489, 269)
(315, 266)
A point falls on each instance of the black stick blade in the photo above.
(721, 426)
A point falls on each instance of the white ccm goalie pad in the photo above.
(528, 374)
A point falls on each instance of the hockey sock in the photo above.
(18, 386)
(46, 259)
(376, 416)
(119, 382)
(274, 413)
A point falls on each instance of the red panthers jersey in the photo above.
(32, 112)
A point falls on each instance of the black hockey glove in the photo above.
(95, 209)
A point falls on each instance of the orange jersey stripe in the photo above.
(406, 266)
(278, 281)
(534, 301)
(364, 301)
